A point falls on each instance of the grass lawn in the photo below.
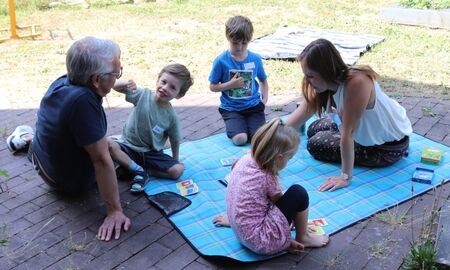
(412, 60)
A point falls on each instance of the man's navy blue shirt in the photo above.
(69, 118)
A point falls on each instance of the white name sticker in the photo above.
(158, 129)
(250, 65)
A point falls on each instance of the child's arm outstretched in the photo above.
(264, 88)
(122, 86)
(235, 82)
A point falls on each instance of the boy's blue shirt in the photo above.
(220, 73)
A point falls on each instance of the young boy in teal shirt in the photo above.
(152, 121)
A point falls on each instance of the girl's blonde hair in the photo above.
(271, 140)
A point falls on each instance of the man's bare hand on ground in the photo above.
(113, 222)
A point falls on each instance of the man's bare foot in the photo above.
(295, 247)
(312, 240)
(221, 221)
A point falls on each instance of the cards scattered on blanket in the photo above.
(187, 187)
(227, 161)
(317, 224)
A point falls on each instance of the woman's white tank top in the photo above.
(385, 122)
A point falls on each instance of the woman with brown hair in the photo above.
(358, 123)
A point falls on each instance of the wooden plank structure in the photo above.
(14, 26)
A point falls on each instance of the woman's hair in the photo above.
(271, 140)
(239, 28)
(322, 57)
(90, 56)
(181, 73)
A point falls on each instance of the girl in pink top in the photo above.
(257, 210)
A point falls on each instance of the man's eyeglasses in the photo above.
(115, 74)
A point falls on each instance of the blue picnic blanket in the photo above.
(287, 42)
(370, 191)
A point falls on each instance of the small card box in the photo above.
(423, 175)
(431, 155)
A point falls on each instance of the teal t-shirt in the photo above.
(149, 124)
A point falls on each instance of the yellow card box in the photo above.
(431, 155)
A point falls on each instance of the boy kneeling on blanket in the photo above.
(151, 122)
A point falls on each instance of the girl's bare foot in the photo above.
(312, 240)
(221, 220)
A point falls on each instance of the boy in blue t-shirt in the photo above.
(239, 74)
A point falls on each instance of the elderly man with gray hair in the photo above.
(69, 149)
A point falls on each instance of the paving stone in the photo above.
(110, 259)
(310, 263)
(37, 246)
(355, 257)
(45, 212)
(17, 226)
(7, 264)
(198, 266)
(73, 261)
(138, 223)
(375, 232)
(207, 261)
(41, 261)
(78, 224)
(339, 242)
(147, 257)
(180, 258)
(163, 221)
(282, 262)
(446, 140)
(18, 212)
(42, 227)
(144, 238)
(3, 210)
(424, 125)
(140, 205)
(172, 240)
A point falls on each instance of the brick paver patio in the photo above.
(46, 231)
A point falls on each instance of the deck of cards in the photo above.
(423, 175)
(227, 161)
(431, 155)
(187, 187)
(317, 224)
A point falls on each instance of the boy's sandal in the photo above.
(138, 183)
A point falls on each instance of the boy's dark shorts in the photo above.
(151, 160)
(245, 121)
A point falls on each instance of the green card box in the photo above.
(431, 155)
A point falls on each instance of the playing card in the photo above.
(317, 230)
(185, 183)
(227, 161)
(318, 222)
(189, 191)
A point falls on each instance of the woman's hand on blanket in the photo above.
(295, 247)
(221, 221)
(333, 183)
